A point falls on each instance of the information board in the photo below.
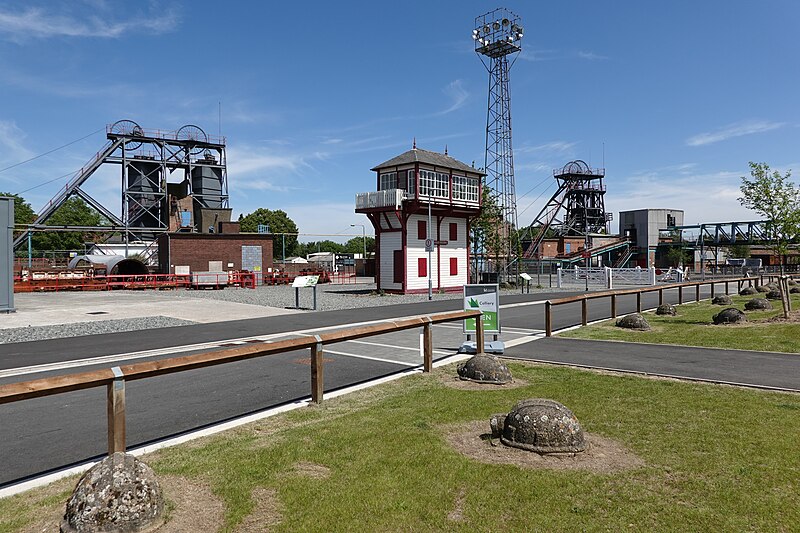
(305, 281)
(484, 298)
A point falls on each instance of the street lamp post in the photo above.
(364, 242)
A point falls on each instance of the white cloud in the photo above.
(40, 24)
(553, 147)
(328, 219)
(457, 94)
(537, 55)
(591, 56)
(11, 139)
(738, 129)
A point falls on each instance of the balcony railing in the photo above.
(387, 198)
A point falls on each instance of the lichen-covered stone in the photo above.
(772, 286)
(758, 304)
(483, 368)
(730, 315)
(722, 299)
(666, 309)
(774, 294)
(120, 494)
(748, 291)
(633, 321)
(541, 426)
(794, 290)
(762, 288)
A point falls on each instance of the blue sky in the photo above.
(676, 96)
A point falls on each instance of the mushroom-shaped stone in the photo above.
(633, 321)
(483, 368)
(772, 286)
(541, 426)
(792, 283)
(748, 291)
(666, 309)
(762, 288)
(758, 304)
(774, 294)
(722, 299)
(730, 315)
(118, 494)
(794, 290)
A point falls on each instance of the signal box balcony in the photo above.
(400, 200)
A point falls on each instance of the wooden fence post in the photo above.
(638, 302)
(427, 346)
(613, 306)
(479, 334)
(548, 319)
(115, 407)
(584, 312)
(317, 374)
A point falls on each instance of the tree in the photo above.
(676, 255)
(356, 245)
(776, 198)
(740, 251)
(487, 229)
(73, 212)
(305, 248)
(278, 222)
(23, 212)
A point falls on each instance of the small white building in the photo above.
(408, 186)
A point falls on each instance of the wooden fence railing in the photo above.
(114, 379)
(612, 296)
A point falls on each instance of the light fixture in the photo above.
(486, 29)
(496, 25)
(475, 32)
(515, 28)
(506, 22)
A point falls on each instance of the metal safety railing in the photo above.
(114, 379)
(612, 296)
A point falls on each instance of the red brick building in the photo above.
(203, 252)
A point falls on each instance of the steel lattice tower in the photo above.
(497, 36)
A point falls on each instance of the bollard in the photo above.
(697, 293)
(660, 296)
(548, 319)
(584, 312)
(712, 290)
(316, 371)
(680, 295)
(613, 306)
(427, 345)
(115, 407)
(638, 302)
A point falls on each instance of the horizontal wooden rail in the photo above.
(612, 295)
(114, 378)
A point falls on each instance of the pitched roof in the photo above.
(418, 155)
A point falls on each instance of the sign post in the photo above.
(301, 282)
(486, 299)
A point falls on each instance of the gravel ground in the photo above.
(78, 329)
(329, 297)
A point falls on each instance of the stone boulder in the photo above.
(762, 288)
(483, 368)
(774, 294)
(541, 426)
(794, 290)
(722, 299)
(120, 494)
(633, 321)
(730, 315)
(666, 309)
(748, 291)
(758, 304)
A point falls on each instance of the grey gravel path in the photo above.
(38, 333)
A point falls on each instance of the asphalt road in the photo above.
(70, 429)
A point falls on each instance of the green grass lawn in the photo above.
(715, 458)
(693, 326)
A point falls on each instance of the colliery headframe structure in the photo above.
(498, 35)
(580, 195)
(170, 181)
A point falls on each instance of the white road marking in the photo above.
(523, 304)
(396, 347)
(358, 356)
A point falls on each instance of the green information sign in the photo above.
(484, 298)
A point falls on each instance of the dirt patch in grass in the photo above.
(191, 506)
(455, 382)
(794, 318)
(602, 455)
(312, 470)
(267, 514)
(457, 514)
